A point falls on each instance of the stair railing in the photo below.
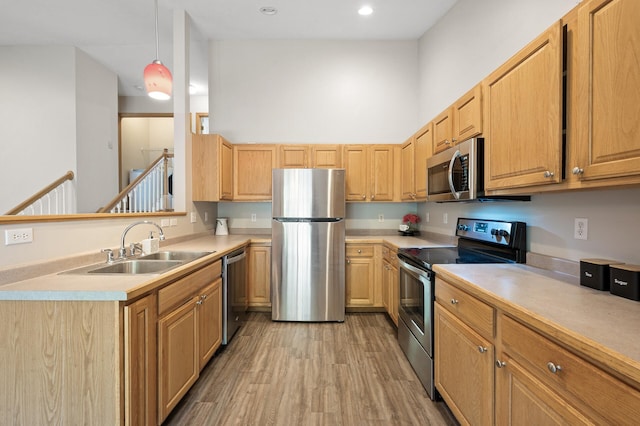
(149, 192)
(53, 199)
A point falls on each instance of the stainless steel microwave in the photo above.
(457, 174)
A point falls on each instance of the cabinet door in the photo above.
(443, 131)
(356, 172)
(360, 282)
(259, 276)
(293, 156)
(326, 156)
(422, 151)
(382, 172)
(523, 126)
(522, 399)
(608, 128)
(463, 369)
(394, 289)
(386, 286)
(178, 366)
(467, 115)
(226, 170)
(209, 321)
(140, 362)
(252, 172)
(407, 180)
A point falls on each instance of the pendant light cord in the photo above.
(157, 43)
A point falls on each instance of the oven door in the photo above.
(416, 302)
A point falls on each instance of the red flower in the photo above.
(411, 218)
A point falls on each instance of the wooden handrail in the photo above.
(111, 204)
(44, 191)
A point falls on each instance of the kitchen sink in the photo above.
(136, 267)
(176, 255)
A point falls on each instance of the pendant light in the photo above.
(157, 78)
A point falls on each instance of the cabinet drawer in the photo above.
(472, 311)
(390, 256)
(603, 397)
(359, 250)
(180, 291)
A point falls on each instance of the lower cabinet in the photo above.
(362, 286)
(209, 322)
(390, 283)
(258, 276)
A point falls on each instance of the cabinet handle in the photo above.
(364, 197)
(482, 349)
(553, 368)
(348, 260)
(577, 171)
(454, 140)
(204, 296)
(446, 142)
(373, 196)
(359, 251)
(454, 301)
(199, 302)
(549, 174)
(500, 364)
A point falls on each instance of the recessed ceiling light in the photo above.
(365, 10)
(268, 10)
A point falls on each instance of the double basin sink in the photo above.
(154, 263)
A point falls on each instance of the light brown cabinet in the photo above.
(252, 165)
(326, 156)
(390, 283)
(523, 121)
(293, 156)
(259, 277)
(422, 150)
(363, 288)
(370, 172)
(459, 122)
(212, 168)
(607, 83)
(464, 354)
(186, 337)
(407, 172)
(140, 371)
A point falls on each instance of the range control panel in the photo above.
(505, 233)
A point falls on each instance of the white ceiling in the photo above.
(121, 33)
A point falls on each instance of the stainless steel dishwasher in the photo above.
(234, 293)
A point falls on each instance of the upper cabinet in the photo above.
(523, 116)
(252, 165)
(319, 156)
(422, 151)
(407, 174)
(607, 131)
(370, 172)
(212, 168)
(293, 156)
(326, 156)
(459, 122)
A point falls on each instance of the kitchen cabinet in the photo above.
(606, 102)
(183, 311)
(293, 156)
(390, 283)
(523, 116)
(422, 150)
(459, 122)
(140, 371)
(407, 180)
(536, 371)
(259, 276)
(370, 172)
(252, 165)
(212, 168)
(327, 156)
(464, 354)
(363, 288)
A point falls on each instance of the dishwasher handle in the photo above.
(235, 256)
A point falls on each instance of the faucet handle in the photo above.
(109, 254)
(133, 247)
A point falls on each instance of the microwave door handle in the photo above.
(453, 189)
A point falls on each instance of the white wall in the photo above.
(472, 39)
(37, 119)
(477, 37)
(97, 133)
(313, 91)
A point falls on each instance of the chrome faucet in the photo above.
(123, 250)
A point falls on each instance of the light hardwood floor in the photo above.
(285, 373)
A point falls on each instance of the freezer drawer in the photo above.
(307, 271)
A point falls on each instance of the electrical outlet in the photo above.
(253, 217)
(580, 228)
(380, 217)
(164, 222)
(194, 217)
(445, 218)
(18, 236)
(206, 216)
(173, 222)
(426, 217)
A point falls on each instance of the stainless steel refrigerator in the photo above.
(307, 245)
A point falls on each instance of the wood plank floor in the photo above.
(285, 373)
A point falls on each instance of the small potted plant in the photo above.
(410, 224)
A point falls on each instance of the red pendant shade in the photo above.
(158, 80)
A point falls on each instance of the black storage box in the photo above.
(594, 273)
(625, 281)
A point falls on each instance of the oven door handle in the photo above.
(450, 174)
(415, 270)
